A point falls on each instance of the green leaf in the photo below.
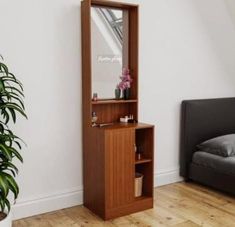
(9, 79)
(16, 153)
(4, 185)
(6, 152)
(12, 75)
(11, 105)
(10, 133)
(20, 101)
(12, 78)
(6, 201)
(12, 184)
(5, 116)
(15, 89)
(10, 96)
(2, 203)
(12, 171)
(1, 128)
(15, 107)
(13, 114)
(2, 87)
(4, 68)
(18, 144)
(9, 165)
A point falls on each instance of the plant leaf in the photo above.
(6, 152)
(12, 75)
(9, 97)
(12, 184)
(13, 114)
(18, 144)
(6, 201)
(5, 115)
(9, 164)
(4, 68)
(2, 203)
(15, 89)
(15, 107)
(3, 185)
(16, 153)
(9, 79)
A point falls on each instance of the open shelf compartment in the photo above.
(111, 112)
(144, 143)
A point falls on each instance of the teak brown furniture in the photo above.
(109, 152)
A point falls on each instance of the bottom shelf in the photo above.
(144, 177)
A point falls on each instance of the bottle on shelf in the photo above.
(139, 153)
(95, 97)
(94, 119)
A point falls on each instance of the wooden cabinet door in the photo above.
(119, 167)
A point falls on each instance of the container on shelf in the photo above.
(138, 184)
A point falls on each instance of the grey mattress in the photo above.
(220, 164)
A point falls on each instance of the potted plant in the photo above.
(125, 84)
(11, 104)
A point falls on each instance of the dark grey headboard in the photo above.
(202, 120)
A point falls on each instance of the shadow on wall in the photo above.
(218, 18)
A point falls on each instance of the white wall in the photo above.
(187, 50)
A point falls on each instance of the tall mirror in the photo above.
(109, 31)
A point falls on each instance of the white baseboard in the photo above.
(74, 197)
(48, 203)
(167, 177)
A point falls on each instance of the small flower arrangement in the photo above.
(126, 80)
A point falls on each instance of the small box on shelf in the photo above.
(138, 184)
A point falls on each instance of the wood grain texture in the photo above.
(134, 51)
(93, 144)
(113, 101)
(119, 167)
(128, 125)
(86, 64)
(109, 164)
(113, 4)
(176, 205)
(94, 177)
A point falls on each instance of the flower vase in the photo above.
(126, 93)
(117, 93)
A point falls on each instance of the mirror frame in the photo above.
(133, 40)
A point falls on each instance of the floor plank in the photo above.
(176, 205)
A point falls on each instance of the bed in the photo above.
(202, 120)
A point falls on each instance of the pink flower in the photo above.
(126, 80)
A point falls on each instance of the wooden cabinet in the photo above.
(110, 166)
(109, 162)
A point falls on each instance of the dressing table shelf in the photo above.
(143, 161)
(113, 101)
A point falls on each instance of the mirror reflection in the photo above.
(107, 42)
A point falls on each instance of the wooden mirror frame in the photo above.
(133, 37)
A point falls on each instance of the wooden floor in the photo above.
(178, 205)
